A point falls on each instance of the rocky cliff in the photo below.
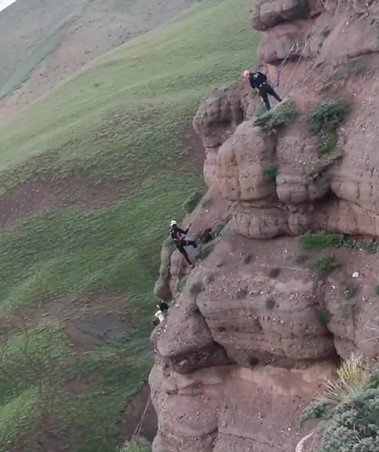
(264, 317)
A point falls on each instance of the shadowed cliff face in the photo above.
(260, 322)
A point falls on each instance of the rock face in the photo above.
(217, 408)
(260, 322)
(241, 173)
(268, 14)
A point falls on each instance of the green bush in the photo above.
(325, 119)
(141, 445)
(325, 265)
(321, 240)
(349, 405)
(373, 381)
(371, 246)
(328, 141)
(317, 409)
(376, 290)
(354, 425)
(192, 201)
(280, 116)
(328, 116)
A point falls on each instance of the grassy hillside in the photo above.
(122, 123)
(58, 38)
(29, 30)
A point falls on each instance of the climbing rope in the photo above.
(137, 431)
(294, 46)
(302, 54)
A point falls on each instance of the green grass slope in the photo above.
(121, 121)
(74, 32)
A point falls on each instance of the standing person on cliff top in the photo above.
(258, 81)
(178, 237)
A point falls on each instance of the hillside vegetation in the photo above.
(77, 276)
(44, 41)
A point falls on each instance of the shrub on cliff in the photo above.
(325, 119)
(349, 407)
(325, 265)
(279, 117)
(141, 445)
(321, 240)
(271, 172)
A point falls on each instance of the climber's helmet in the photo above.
(246, 73)
(173, 223)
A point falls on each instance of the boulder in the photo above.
(269, 13)
(219, 115)
(242, 164)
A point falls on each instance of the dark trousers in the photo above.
(180, 246)
(266, 90)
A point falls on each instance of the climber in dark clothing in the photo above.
(258, 81)
(178, 237)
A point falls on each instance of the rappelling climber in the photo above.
(161, 313)
(178, 236)
(258, 81)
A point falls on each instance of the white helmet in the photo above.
(246, 73)
(173, 222)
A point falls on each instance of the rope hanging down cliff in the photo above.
(137, 431)
(302, 54)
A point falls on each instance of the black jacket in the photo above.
(178, 234)
(257, 79)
